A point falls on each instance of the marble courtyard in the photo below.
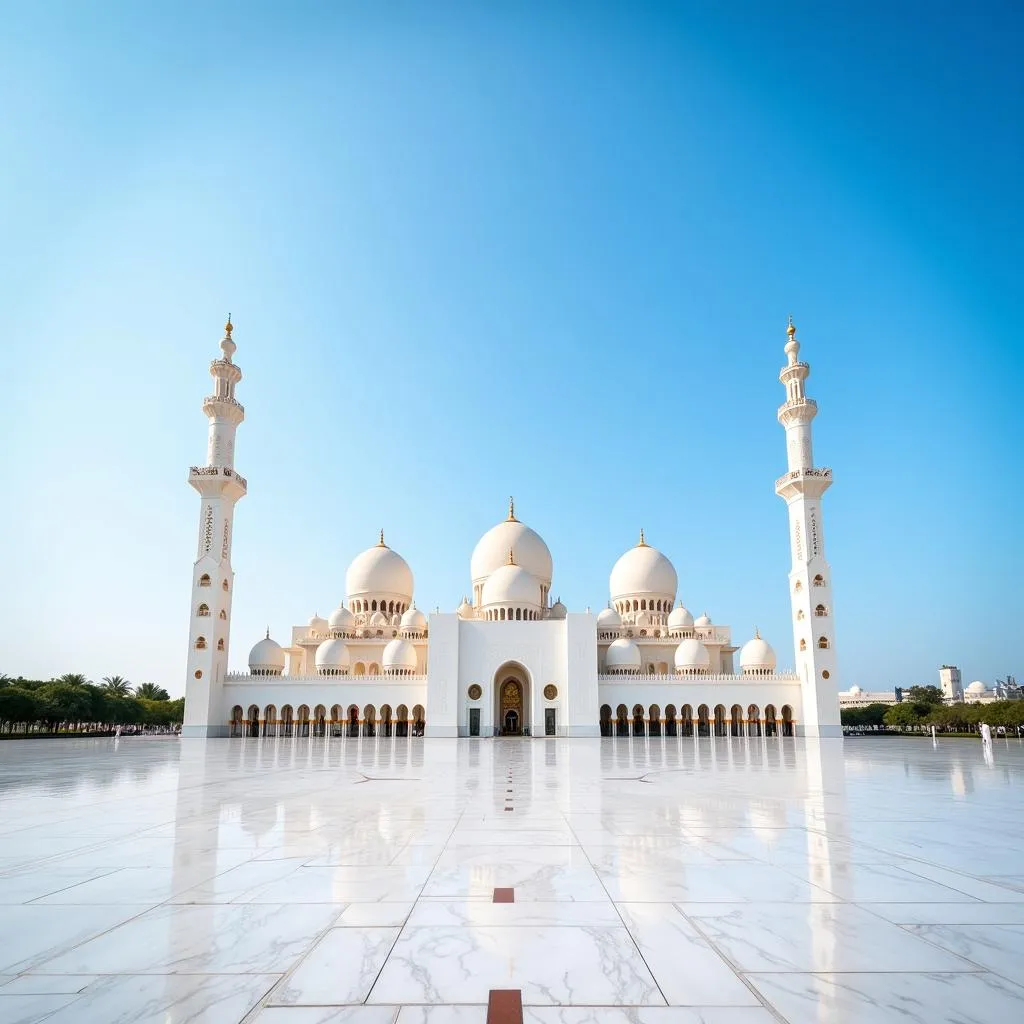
(724, 881)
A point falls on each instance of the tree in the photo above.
(17, 707)
(73, 679)
(150, 691)
(902, 716)
(63, 702)
(925, 695)
(117, 686)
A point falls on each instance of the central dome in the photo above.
(511, 584)
(491, 551)
(379, 570)
(643, 570)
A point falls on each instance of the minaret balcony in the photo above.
(797, 410)
(799, 371)
(214, 479)
(808, 481)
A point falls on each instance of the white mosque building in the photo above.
(508, 660)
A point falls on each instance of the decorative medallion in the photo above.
(550, 691)
(475, 692)
(825, 674)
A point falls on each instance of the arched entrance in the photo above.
(512, 700)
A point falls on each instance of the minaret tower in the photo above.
(219, 487)
(810, 579)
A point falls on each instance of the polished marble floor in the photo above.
(658, 881)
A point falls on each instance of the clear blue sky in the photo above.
(539, 249)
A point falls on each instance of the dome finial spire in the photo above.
(511, 510)
(227, 343)
(229, 326)
(757, 633)
(380, 542)
(643, 543)
(511, 557)
(268, 632)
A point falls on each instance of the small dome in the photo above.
(977, 687)
(491, 551)
(331, 655)
(413, 619)
(558, 610)
(691, 655)
(702, 620)
(267, 657)
(680, 618)
(378, 619)
(465, 610)
(855, 691)
(399, 655)
(341, 620)
(609, 618)
(511, 584)
(622, 654)
(643, 570)
(318, 624)
(757, 655)
(379, 570)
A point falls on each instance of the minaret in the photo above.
(810, 579)
(219, 487)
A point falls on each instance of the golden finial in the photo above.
(791, 330)
(642, 543)
(757, 633)
(229, 326)
(268, 632)
(511, 511)
(380, 543)
(511, 557)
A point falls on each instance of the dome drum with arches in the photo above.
(267, 658)
(379, 579)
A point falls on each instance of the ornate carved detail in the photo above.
(475, 692)
(550, 691)
(207, 529)
(226, 544)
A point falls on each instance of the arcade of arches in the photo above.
(400, 722)
(702, 721)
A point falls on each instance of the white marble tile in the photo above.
(32, 933)
(327, 1015)
(173, 998)
(893, 997)
(876, 883)
(821, 937)
(688, 970)
(472, 913)
(206, 939)
(341, 968)
(647, 1015)
(438, 1014)
(375, 915)
(996, 947)
(950, 913)
(29, 884)
(341, 884)
(28, 1009)
(235, 883)
(963, 882)
(46, 984)
(549, 965)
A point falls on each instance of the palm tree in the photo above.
(73, 679)
(117, 686)
(150, 691)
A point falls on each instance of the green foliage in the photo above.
(64, 702)
(17, 707)
(873, 714)
(902, 716)
(150, 691)
(925, 695)
(117, 686)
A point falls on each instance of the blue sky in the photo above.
(474, 250)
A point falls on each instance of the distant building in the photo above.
(950, 684)
(855, 697)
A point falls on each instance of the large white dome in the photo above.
(643, 570)
(331, 656)
(757, 655)
(341, 620)
(680, 618)
(622, 654)
(267, 657)
(379, 570)
(491, 551)
(977, 687)
(511, 584)
(691, 655)
(399, 655)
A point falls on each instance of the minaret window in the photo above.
(220, 644)
(201, 643)
(800, 614)
(823, 642)
(223, 615)
(799, 586)
(803, 645)
(204, 580)
(819, 580)
(203, 609)
(224, 585)
(820, 611)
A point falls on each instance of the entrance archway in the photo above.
(512, 700)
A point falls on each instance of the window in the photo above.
(800, 614)
(201, 643)
(224, 584)
(203, 609)
(223, 615)
(220, 644)
(823, 642)
(204, 580)
(819, 580)
(799, 586)
(820, 611)
(803, 645)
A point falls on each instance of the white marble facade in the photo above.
(511, 659)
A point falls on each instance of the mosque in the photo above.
(509, 661)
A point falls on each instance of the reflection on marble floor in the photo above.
(656, 881)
